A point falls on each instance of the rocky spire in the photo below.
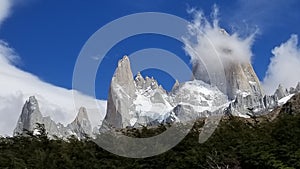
(154, 84)
(29, 117)
(280, 92)
(176, 85)
(139, 81)
(81, 125)
(132, 99)
(121, 95)
(240, 76)
(298, 87)
(123, 76)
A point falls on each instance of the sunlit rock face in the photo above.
(141, 101)
(233, 75)
(133, 101)
(31, 115)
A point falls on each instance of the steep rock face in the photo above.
(242, 78)
(133, 101)
(270, 101)
(242, 86)
(240, 75)
(150, 104)
(81, 125)
(281, 92)
(241, 83)
(245, 102)
(175, 86)
(31, 115)
(298, 87)
(292, 106)
(121, 95)
(295, 90)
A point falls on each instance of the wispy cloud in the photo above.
(5, 6)
(207, 39)
(58, 103)
(284, 67)
(247, 15)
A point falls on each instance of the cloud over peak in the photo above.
(207, 39)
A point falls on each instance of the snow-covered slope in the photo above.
(199, 95)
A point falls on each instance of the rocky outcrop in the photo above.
(270, 102)
(298, 87)
(141, 101)
(295, 90)
(31, 115)
(241, 82)
(133, 101)
(292, 106)
(239, 75)
(81, 126)
(175, 86)
(121, 95)
(281, 92)
(241, 78)
(242, 87)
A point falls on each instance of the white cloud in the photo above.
(284, 67)
(58, 103)
(16, 86)
(207, 41)
(5, 6)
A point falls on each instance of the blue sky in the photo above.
(49, 34)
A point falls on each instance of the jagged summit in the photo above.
(147, 103)
(281, 92)
(32, 104)
(82, 114)
(123, 75)
(150, 103)
(31, 115)
(141, 101)
(298, 87)
(130, 97)
(176, 85)
(81, 126)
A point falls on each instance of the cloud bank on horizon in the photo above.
(17, 85)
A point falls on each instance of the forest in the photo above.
(236, 143)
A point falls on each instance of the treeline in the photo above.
(235, 144)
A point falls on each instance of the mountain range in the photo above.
(140, 101)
